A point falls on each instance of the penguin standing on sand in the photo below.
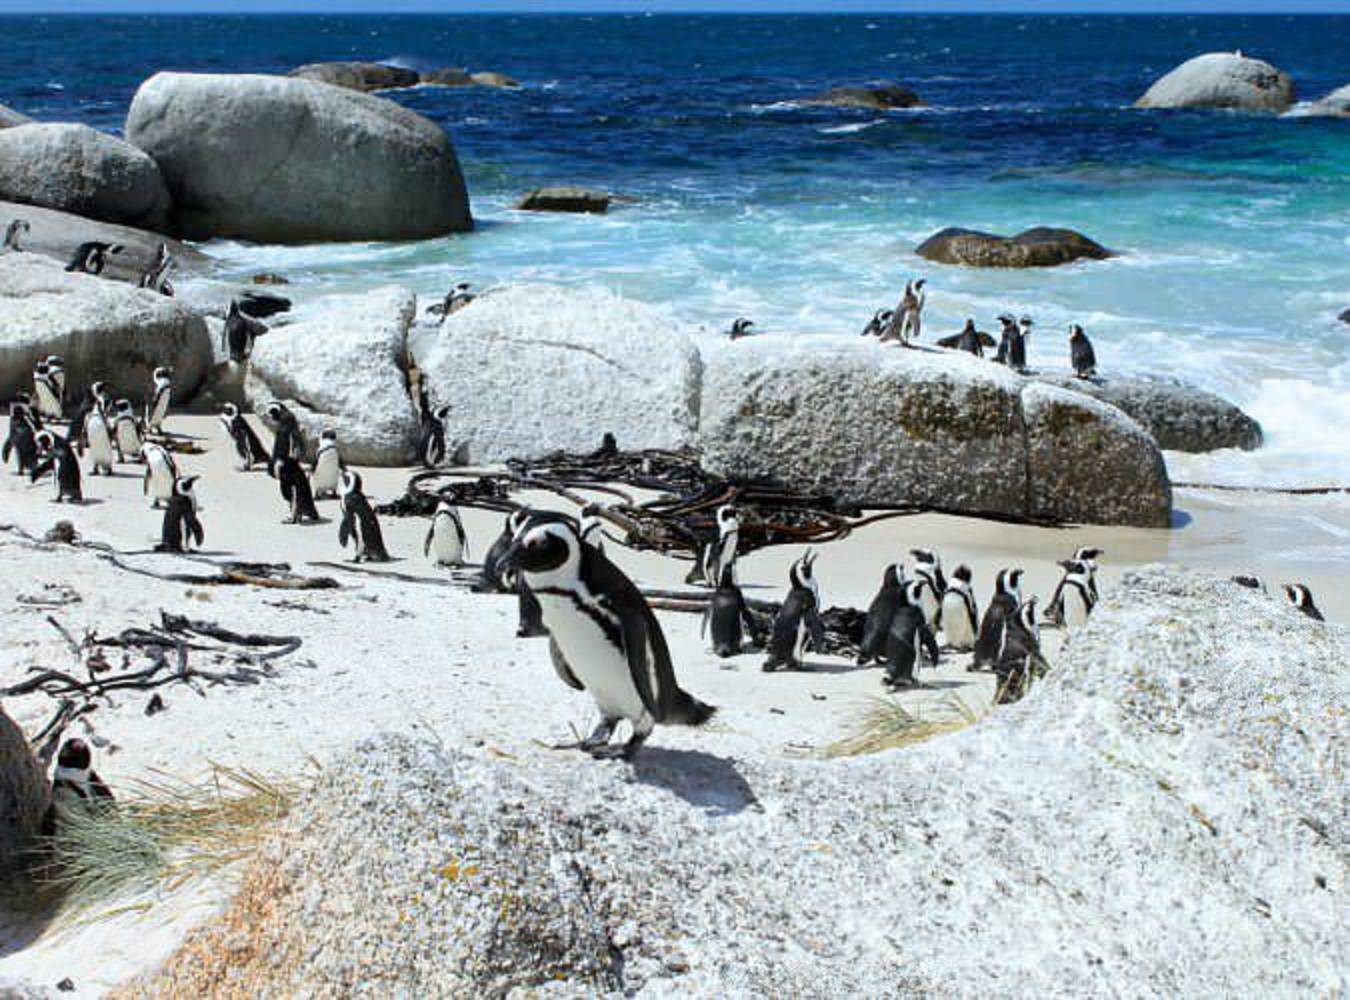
(56, 456)
(722, 553)
(240, 332)
(248, 447)
(75, 785)
(889, 599)
(161, 393)
(1003, 606)
(907, 317)
(161, 473)
(359, 523)
(127, 431)
(798, 620)
(728, 616)
(1081, 354)
(970, 340)
(91, 257)
(327, 472)
(181, 528)
(492, 579)
(1301, 598)
(605, 638)
(960, 615)
(877, 325)
(21, 441)
(1073, 599)
(446, 543)
(742, 327)
(932, 584)
(908, 640)
(14, 232)
(99, 436)
(46, 392)
(288, 441)
(295, 490)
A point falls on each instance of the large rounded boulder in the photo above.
(361, 76)
(74, 168)
(23, 802)
(1041, 246)
(285, 160)
(1222, 80)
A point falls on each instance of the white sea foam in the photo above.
(850, 128)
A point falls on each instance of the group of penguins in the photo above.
(904, 323)
(91, 257)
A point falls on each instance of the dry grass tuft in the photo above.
(886, 724)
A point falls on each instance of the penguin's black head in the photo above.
(962, 573)
(919, 283)
(1086, 554)
(544, 547)
(1074, 567)
(123, 406)
(1075, 331)
(914, 595)
(1007, 320)
(328, 434)
(75, 755)
(926, 556)
(45, 440)
(1249, 581)
(40, 368)
(1027, 322)
(163, 372)
(277, 413)
(970, 326)
(802, 573)
(891, 577)
(1011, 582)
(229, 411)
(1299, 595)
(183, 485)
(351, 481)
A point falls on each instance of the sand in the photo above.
(385, 655)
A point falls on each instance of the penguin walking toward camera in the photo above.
(1300, 597)
(1088, 556)
(359, 524)
(933, 584)
(98, 436)
(1073, 599)
(127, 431)
(877, 626)
(431, 440)
(1019, 655)
(728, 617)
(447, 543)
(248, 447)
(240, 333)
(605, 639)
(161, 472)
(161, 393)
(970, 340)
(287, 442)
(92, 257)
(908, 641)
(46, 392)
(742, 327)
(56, 372)
(960, 614)
(721, 554)
(296, 491)
(798, 621)
(326, 475)
(1003, 606)
(21, 441)
(181, 528)
(75, 785)
(593, 526)
(1081, 354)
(877, 325)
(14, 233)
(56, 456)
(156, 276)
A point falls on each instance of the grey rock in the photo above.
(878, 97)
(1179, 416)
(24, 989)
(501, 81)
(1087, 462)
(56, 235)
(1222, 80)
(361, 76)
(1335, 105)
(74, 168)
(1038, 247)
(447, 76)
(24, 794)
(103, 329)
(281, 159)
(9, 117)
(565, 199)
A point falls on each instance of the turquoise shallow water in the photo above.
(1234, 231)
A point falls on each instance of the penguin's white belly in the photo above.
(1075, 608)
(160, 411)
(325, 477)
(161, 482)
(48, 404)
(799, 644)
(445, 544)
(956, 624)
(598, 664)
(100, 444)
(128, 439)
(930, 605)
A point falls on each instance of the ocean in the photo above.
(1233, 230)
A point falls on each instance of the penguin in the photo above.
(530, 615)
(431, 443)
(56, 372)
(1002, 607)
(327, 469)
(1019, 654)
(593, 526)
(877, 325)
(161, 393)
(46, 393)
(1073, 599)
(288, 441)
(908, 640)
(1081, 354)
(247, 445)
(1019, 357)
(889, 599)
(455, 300)
(1301, 597)
(970, 340)
(907, 317)
(75, 785)
(56, 456)
(240, 332)
(740, 328)
(605, 639)
(98, 434)
(933, 584)
(295, 490)
(446, 544)
(960, 615)
(1089, 556)
(729, 617)
(156, 276)
(359, 523)
(14, 232)
(798, 620)
(127, 431)
(21, 441)
(1250, 582)
(491, 579)
(161, 472)
(722, 553)
(181, 526)
(90, 257)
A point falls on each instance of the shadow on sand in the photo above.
(712, 783)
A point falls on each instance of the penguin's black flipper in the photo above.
(560, 665)
(5, 450)
(347, 529)
(930, 643)
(817, 627)
(40, 469)
(195, 529)
(953, 341)
(426, 546)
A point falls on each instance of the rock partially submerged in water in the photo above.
(533, 368)
(565, 199)
(1163, 810)
(1222, 80)
(9, 118)
(76, 169)
(1179, 416)
(447, 76)
(938, 429)
(1335, 105)
(876, 97)
(1041, 246)
(360, 76)
(285, 160)
(343, 364)
(490, 78)
(103, 329)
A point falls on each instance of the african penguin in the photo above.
(446, 543)
(90, 257)
(1250, 582)
(46, 392)
(604, 637)
(1301, 597)
(99, 435)
(161, 393)
(1002, 607)
(327, 470)
(295, 490)
(970, 340)
(161, 472)
(15, 231)
(908, 640)
(359, 524)
(56, 371)
(728, 616)
(1088, 556)
(240, 332)
(1081, 354)
(248, 447)
(156, 276)
(492, 579)
(431, 445)
(127, 431)
(928, 573)
(907, 317)
(455, 300)
(960, 615)
(722, 552)
(1073, 599)
(181, 526)
(798, 620)
(21, 441)
(287, 441)
(877, 325)
(888, 600)
(56, 456)
(75, 785)
(740, 328)
(1019, 654)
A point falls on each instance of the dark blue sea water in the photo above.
(1235, 230)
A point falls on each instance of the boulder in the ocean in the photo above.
(530, 369)
(1222, 80)
(103, 329)
(1179, 416)
(361, 76)
(489, 78)
(565, 199)
(1335, 105)
(342, 363)
(877, 97)
(9, 118)
(447, 76)
(76, 169)
(281, 159)
(1041, 246)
